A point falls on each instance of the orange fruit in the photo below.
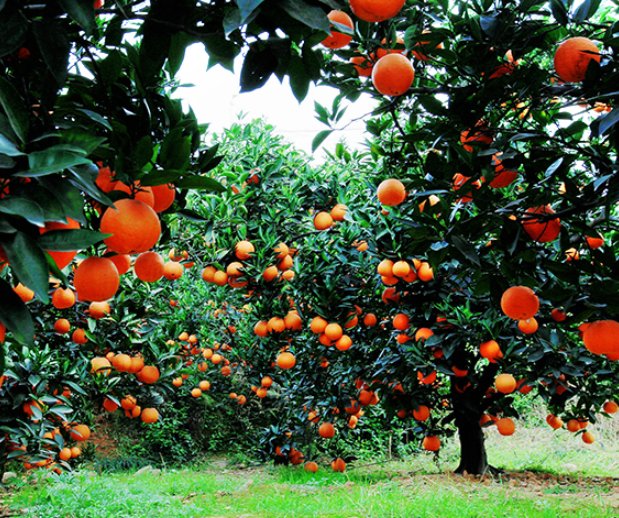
(431, 443)
(505, 383)
(588, 438)
(391, 192)
(79, 336)
(173, 270)
(528, 326)
(261, 328)
(196, 392)
(338, 212)
(338, 465)
(134, 226)
(136, 192)
(98, 310)
(421, 413)
(419, 54)
(149, 374)
(326, 431)
(393, 75)
(150, 415)
(401, 322)
(595, 242)
(149, 266)
(62, 326)
(602, 337)
(337, 40)
(333, 331)
(343, 343)
(542, 231)
(25, 293)
(503, 177)
(425, 272)
(96, 279)
(401, 269)
(519, 303)
(80, 433)
(311, 467)
(61, 259)
(423, 333)
(370, 320)
(63, 298)
(122, 262)
(243, 250)
(558, 315)
(163, 196)
(506, 426)
(318, 325)
(362, 65)
(490, 350)
(204, 385)
(64, 454)
(376, 11)
(270, 273)
(105, 179)
(572, 58)
(323, 221)
(100, 365)
(286, 360)
(208, 273)
(610, 407)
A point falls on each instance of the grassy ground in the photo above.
(550, 474)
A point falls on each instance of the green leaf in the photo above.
(8, 148)
(83, 177)
(179, 44)
(81, 139)
(299, 79)
(24, 207)
(192, 216)
(586, 10)
(232, 21)
(320, 138)
(82, 11)
(96, 118)
(14, 109)
(311, 15)
(28, 262)
(160, 177)
(200, 182)
(52, 160)
(259, 64)
(55, 47)
(247, 7)
(221, 51)
(111, 67)
(559, 11)
(70, 240)
(608, 121)
(13, 27)
(143, 152)
(466, 249)
(69, 197)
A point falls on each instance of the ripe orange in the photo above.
(333, 332)
(505, 383)
(243, 250)
(573, 425)
(80, 432)
(478, 135)
(602, 337)
(220, 278)
(431, 443)
(270, 273)
(610, 407)
(558, 315)
(173, 270)
(595, 242)
(323, 221)
(136, 192)
(149, 266)
(337, 40)
(543, 231)
(338, 465)
(196, 392)
(96, 279)
(149, 374)
(318, 325)
(370, 320)
(338, 212)
(425, 272)
(326, 430)
(420, 54)
(79, 336)
(134, 225)
(588, 438)
(63, 298)
(311, 467)
(519, 303)
(64, 454)
(122, 262)
(572, 58)
(150, 415)
(363, 65)
(391, 192)
(383, 50)
(528, 326)
(208, 273)
(422, 413)
(423, 333)
(163, 196)
(122, 363)
(61, 259)
(25, 293)
(62, 326)
(343, 343)
(503, 177)
(506, 426)
(286, 360)
(98, 310)
(261, 328)
(490, 350)
(393, 75)
(401, 322)
(376, 11)
(204, 385)
(100, 365)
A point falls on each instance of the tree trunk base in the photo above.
(489, 470)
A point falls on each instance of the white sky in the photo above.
(215, 99)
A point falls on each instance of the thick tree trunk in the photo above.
(473, 459)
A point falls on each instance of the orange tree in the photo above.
(87, 120)
(499, 153)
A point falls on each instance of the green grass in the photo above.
(417, 487)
